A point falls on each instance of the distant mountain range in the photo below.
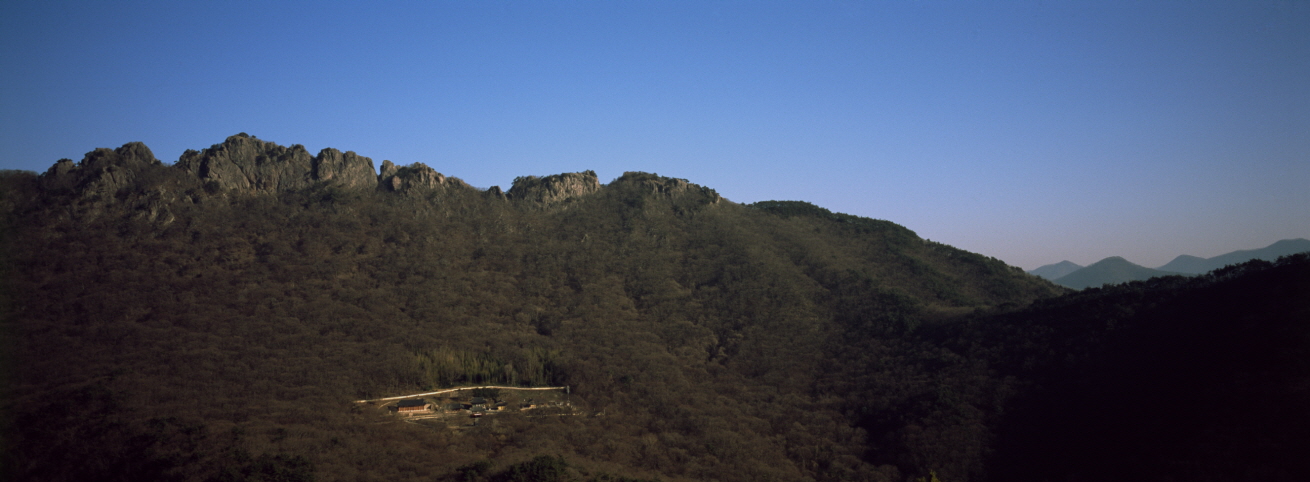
(1118, 270)
(1195, 265)
(1110, 270)
(1057, 270)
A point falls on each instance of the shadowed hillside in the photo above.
(1179, 378)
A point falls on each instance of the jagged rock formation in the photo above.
(554, 189)
(245, 163)
(101, 172)
(130, 174)
(654, 184)
(129, 183)
(395, 178)
(345, 169)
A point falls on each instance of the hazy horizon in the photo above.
(1030, 132)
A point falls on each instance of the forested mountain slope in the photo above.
(205, 321)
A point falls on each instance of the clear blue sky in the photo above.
(1029, 131)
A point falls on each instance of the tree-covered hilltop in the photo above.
(199, 321)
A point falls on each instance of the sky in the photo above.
(1033, 132)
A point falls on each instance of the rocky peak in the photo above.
(128, 176)
(395, 178)
(102, 171)
(554, 189)
(243, 162)
(654, 184)
(346, 169)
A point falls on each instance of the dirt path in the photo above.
(438, 392)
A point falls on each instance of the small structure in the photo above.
(411, 406)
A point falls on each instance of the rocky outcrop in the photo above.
(63, 176)
(554, 189)
(245, 163)
(654, 184)
(345, 169)
(129, 177)
(101, 172)
(154, 206)
(414, 177)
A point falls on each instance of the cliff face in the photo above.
(554, 189)
(346, 169)
(245, 163)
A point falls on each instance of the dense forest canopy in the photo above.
(216, 319)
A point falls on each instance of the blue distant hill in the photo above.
(1112, 270)
(1195, 265)
(1118, 270)
(1055, 271)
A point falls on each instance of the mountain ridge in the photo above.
(1116, 269)
(1056, 270)
(1198, 265)
(189, 331)
(1112, 270)
(245, 164)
